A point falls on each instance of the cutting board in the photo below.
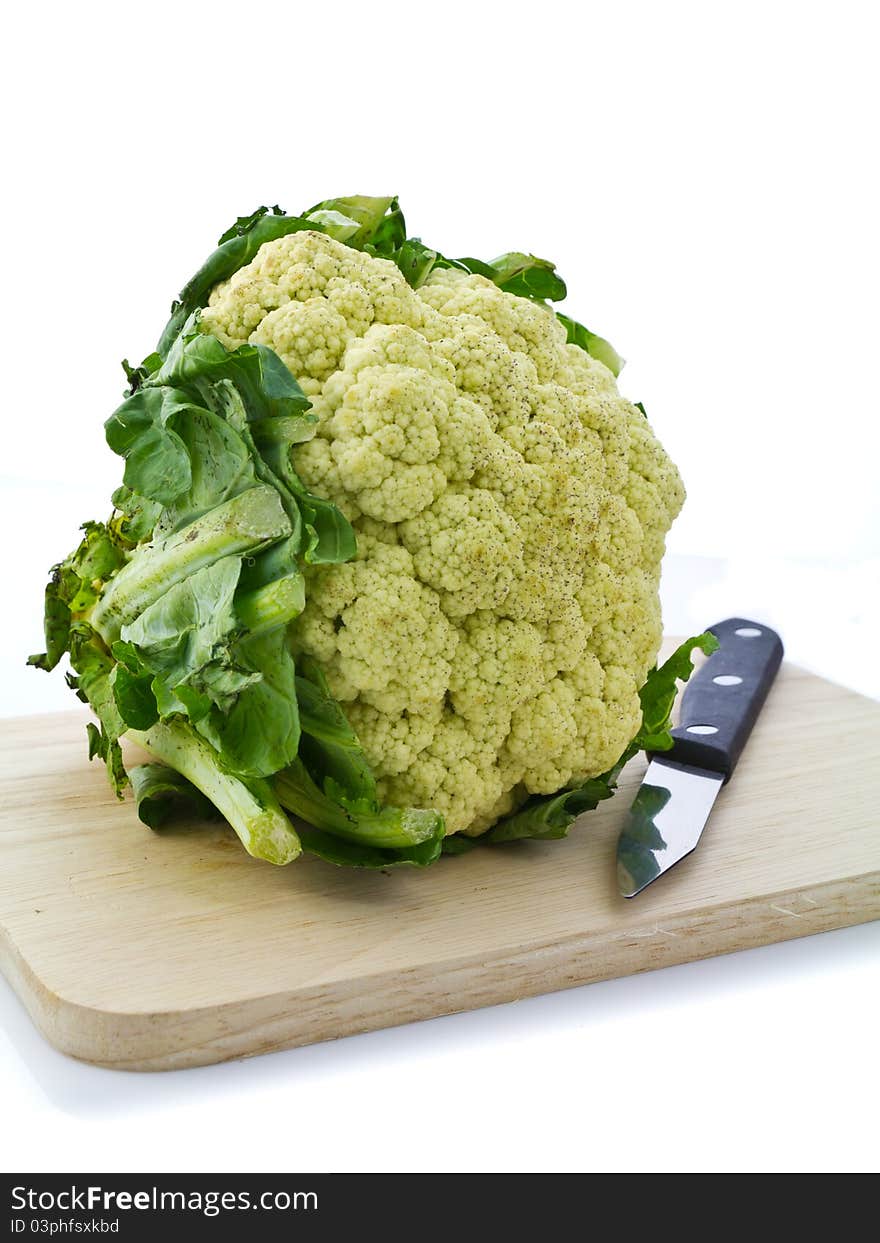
(155, 951)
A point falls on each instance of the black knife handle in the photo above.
(721, 702)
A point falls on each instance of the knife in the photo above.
(718, 709)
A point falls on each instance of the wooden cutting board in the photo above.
(146, 951)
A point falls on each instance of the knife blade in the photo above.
(719, 707)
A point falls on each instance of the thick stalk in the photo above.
(250, 806)
(290, 429)
(387, 828)
(274, 604)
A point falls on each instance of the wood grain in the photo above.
(155, 951)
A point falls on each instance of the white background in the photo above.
(705, 177)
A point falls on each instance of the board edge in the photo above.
(154, 1041)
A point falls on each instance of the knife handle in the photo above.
(722, 700)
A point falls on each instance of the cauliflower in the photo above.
(382, 575)
(510, 506)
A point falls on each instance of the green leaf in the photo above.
(251, 391)
(135, 700)
(527, 276)
(182, 700)
(137, 375)
(334, 224)
(524, 275)
(356, 855)
(136, 517)
(659, 692)
(93, 564)
(157, 464)
(75, 585)
(222, 468)
(329, 746)
(183, 649)
(92, 683)
(244, 224)
(245, 524)
(127, 654)
(416, 261)
(380, 221)
(56, 624)
(321, 715)
(258, 734)
(550, 817)
(227, 401)
(597, 347)
(161, 794)
(218, 683)
(183, 629)
(104, 747)
(96, 741)
(330, 537)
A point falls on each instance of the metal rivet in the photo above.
(727, 679)
(702, 729)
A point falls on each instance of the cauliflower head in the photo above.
(510, 506)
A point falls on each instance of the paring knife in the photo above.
(719, 706)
